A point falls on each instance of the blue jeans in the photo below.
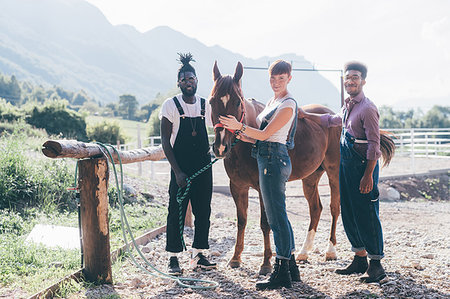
(274, 166)
(359, 211)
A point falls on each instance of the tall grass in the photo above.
(28, 179)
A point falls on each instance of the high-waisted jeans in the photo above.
(274, 166)
(359, 211)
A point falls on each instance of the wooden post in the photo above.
(139, 145)
(93, 184)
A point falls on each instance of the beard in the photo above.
(189, 92)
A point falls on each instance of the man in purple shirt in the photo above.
(358, 176)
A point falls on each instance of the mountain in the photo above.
(71, 44)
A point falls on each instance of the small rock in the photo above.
(428, 256)
(136, 283)
(215, 253)
(188, 290)
(220, 215)
(145, 249)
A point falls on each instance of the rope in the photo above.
(182, 195)
(180, 280)
(185, 282)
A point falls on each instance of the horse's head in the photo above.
(226, 99)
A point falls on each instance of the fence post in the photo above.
(412, 151)
(139, 145)
(152, 166)
(93, 183)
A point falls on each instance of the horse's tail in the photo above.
(387, 146)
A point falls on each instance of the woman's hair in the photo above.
(356, 66)
(185, 60)
(279, 67)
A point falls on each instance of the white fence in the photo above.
(422, 142)
(409, 142)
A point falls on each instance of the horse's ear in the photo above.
(216, 72)
(238, 72)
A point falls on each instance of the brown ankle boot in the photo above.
(374, 273)
(280, 276)
(358, 265)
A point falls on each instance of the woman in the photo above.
(272, 141)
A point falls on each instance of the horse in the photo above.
(316, 151)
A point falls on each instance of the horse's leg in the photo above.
(240, 196)
(311, 192)
(266, 267)
(333, 179)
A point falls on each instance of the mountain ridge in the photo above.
(70, 43)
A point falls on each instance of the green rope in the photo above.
(124, 222)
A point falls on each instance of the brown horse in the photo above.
(316, 151)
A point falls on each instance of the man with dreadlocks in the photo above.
(185, 144)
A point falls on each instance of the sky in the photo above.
(405, 43)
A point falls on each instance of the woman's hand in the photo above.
(230, 122)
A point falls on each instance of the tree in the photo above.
(437, 117)
(56, 119)
(106, 132)
(154, 123)
(128, 106)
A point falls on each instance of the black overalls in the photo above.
(191, 150)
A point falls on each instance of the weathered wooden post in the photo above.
(93, 186)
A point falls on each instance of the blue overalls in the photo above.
(274, 166)
(359, 211)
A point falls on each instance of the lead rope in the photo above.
(182, 195)
(124, 222)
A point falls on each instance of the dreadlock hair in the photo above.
(185, 60)
(356, 66)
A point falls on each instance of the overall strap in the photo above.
(177, 103)
(202, 104)
(290, 142)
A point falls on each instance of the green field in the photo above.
(129, 127)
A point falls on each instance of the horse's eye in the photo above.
(237, 104)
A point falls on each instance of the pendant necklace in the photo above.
(193, 122)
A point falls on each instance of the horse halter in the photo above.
(219, 125)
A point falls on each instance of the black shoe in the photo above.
(374, 273)
(280, 277)
(174, 266)
(358, 265)
(200, 261)
(293, 269)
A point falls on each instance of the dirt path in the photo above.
(417, 248)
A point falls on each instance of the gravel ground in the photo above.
(417, 249)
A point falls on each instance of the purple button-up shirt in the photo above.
(362, 121)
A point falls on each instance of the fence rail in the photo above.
(433, 143)
(422, 142)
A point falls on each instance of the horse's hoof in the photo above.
(302, 257)
(330, 256)
(234, 264)
(265, 270)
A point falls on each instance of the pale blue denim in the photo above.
(275, 167)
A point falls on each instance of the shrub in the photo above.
(106, 132)
(56, 119)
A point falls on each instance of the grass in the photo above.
(27, 267)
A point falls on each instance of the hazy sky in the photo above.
(405, 43)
